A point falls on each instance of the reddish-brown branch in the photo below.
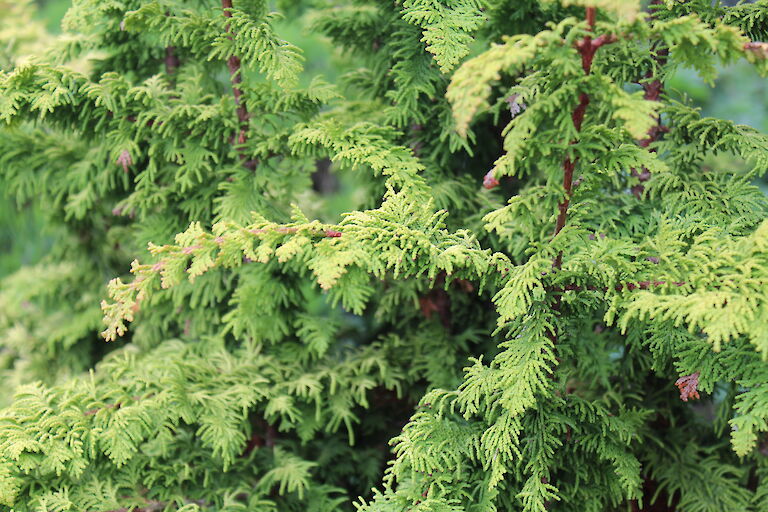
(657, 499)
(235, 74)
(118, 405)
(437, 300)
(155, 506)
(171, 60)
(151, 506)
(329, 233)
(653, 88)
(264, 435)
(256, 441)
(270, 436)
(587, 47)
(591, 17)
(629, 286)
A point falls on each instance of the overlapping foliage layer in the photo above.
(457, 347)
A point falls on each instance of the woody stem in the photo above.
(587, 47)
(233, 64)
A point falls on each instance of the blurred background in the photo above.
(739, 95)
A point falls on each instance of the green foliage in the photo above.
(442, 346)
(447, 28)
(20, 35)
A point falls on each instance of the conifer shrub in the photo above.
(541, 293)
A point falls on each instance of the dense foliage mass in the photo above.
(536, 249)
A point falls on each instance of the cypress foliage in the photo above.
(547, 297)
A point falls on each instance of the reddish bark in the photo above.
(653, 88)
(587, 47)
(328, 233)
(171, 60)
(235, 73)
(660, 504)
(437, 301)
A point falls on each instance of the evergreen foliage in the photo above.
(547, 299)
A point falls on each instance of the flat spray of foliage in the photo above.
(542, 252)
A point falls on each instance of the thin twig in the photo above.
(155, 506)
(653, 88)
(117, 405)
(629, 286)
(171, 60)
(587, 47)
(235, 73)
